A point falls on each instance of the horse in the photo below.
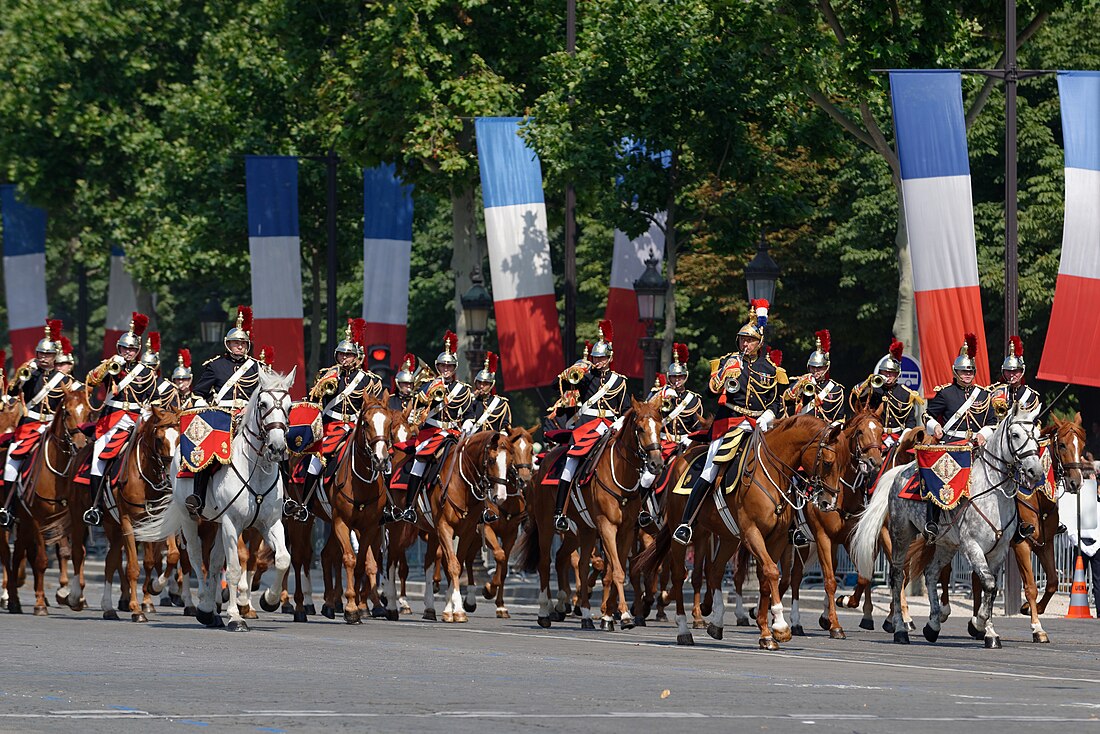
(474, 469)
(604, 508)
(248, 492)
(43, 504)
(1011, 455)
(757, 512)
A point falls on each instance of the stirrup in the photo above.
(799, 539)
(561, 522)
(6, 518)
(1023, 531)
(644, 519)
(391, 513)
(92, 516)
(193, 503)
(682, 534)
(1061, 529)
(488, 516)
(408, 515)
(291, 508)
(931, 531)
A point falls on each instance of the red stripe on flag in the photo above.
(530, 341)
(390, 334)
(23, 342)
(110, 343)
(286, 336)
(1070, 353)
(944, 317)
(622, 309)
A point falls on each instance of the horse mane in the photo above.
(479, 439)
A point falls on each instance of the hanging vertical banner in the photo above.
(939, 218)
(121, 301)
(1072, 353)
(274, 246)
(519, 255)
(627, 265)
(387, 248)
(24, 272)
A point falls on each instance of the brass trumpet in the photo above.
(114, 367)
(577, 371)
(330, 387)
(876, 381)
(809, 389)
(436, 391)
(25, 372)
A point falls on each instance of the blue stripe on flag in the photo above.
(510, 171)
(929, 123)
(387, 205)
(272, 191)
(24, 225)
(1080, 95)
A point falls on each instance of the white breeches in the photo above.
(98, 465)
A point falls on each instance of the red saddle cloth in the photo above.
(585, 436)
(28, 437)
(116, 444)
(435, 438)
(553, 471)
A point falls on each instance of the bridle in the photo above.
(163, 483)
(866, 468)
(483, 481)
(641, 452)
(378, 466)
(1011, 467)
(266, 426)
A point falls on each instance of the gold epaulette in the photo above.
(781, 376)
(937, 388)
(210, 360)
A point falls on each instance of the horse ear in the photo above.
(835, 431)
(290, 376)
(633, 402)
(1077, 418)
(385, 398)
(878, 411)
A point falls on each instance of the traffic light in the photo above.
(378, 361)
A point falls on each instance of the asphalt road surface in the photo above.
(78, 672)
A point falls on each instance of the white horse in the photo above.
(248, 492)
(981, 527)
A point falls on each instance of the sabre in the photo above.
(1054, 402)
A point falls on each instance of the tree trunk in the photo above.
(468, 253)
(670, 264)
(317, 265)
(905, 318)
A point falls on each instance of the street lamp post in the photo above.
(477, 305)
(761, 273)
(651, 290)
(211, 321)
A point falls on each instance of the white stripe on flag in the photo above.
(519, 254)
(121, 296)
(628, 259)
(939, 218)
(276, 277)
(1081, 233)
(25, 281)
(386, 281)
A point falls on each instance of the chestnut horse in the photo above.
(757, 511)
(604, 508)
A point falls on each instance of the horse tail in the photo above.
(865, 536)
(918, 557)
(528, 548)
(164, 519)
(649, 559)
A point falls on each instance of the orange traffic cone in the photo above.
(1079, 594)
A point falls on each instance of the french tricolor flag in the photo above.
(939, 217)
(121, 301)
(24, 272)
(387, 246)
(519, 255)
(274, 246)
(627, 265)
(1072, 350)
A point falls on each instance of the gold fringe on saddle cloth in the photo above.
(731, 445)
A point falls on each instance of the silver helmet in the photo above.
(488, 373)
(1015, 358)
(678, 365)
(132, 338)
(65, 354)
(405, 374)
(965, 360)
(183, 366)
(352, 343)
(892, 361)
(450, 346)
(242, 329)
(51, 342)
(151, 357)
(758, 319)
(819, 357)
(603, 346)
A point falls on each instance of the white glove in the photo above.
(618, 424)
(468, 426)
(765, 421)
(686, 442)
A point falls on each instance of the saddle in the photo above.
(400, 479)
(588, 465)
(731, 459)
(556, 459)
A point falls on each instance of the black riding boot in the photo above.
(561, 522)
(1024, 530)
(93, 515)
(196, 501)
(7, 517)
(699, 491)
(411, 495)
(798, 538)
(302, 511)
(932, 518)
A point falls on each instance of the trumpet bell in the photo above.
(877, 381)
(114, 367)
(809, 390)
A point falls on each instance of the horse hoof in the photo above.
(1039, 637)
(378, 612)
(204, 618)
(148, 609)
(139, 617)
(752, 612)
(823, 622)
(867, 624)
(930, 634)
(887, 626)
(77, 605)
(607, 625)
(250, 613)
(901, 637)
(311, 610)
(767, 643)
(62, 600)
(503, 614)
(429, 615)
(588, 624)
(447, 617)
(993, 643)
(909, 625)
(353, 617)
(175, 599)
(577, 610)
(110, 614)
(798, 630)
(841, 599)
(41, 611)
(837, 634)
(460, 618)
(470, 607)
(744, 622)
(698, 624)
(327, 612)
(393, 615)
(219, 623)
(557, 617)
(190, 611)
(301, 617)
(14, 607)
(287, 608)
(685, 639)
(236, 626)
(660, 616)
(714, 631)
(782, 635)
(974, 631)
(544, 622)
(405, 609)
(265, 606)
(629, 623)
(639, 622)
(487, 593)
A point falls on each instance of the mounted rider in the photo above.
(901, 406)
(749, 385)
(130, 386)
(1013, 390)
(959, 412)
(402, 397)
(341, 390)
(594, 404)
(226, 381)
(181, 378)
(42, 388)
(446, 410)
(491, 411)
(166, 396)
(682, 412)
(66, 363)
(816, 393)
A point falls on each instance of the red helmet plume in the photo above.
(409, 362)
(185, 355)
(661, 379)
(492, 360)
(66, 347)
(971, 345)
(358, 330)
(245, 314)
(55, 328)
(776, 357)
(825, 338)
(896, 349)
(154, 341)
(681, 352)
(608, 330)
(267, 353)
(1016, 345)
(450, 342)
(140, 322)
